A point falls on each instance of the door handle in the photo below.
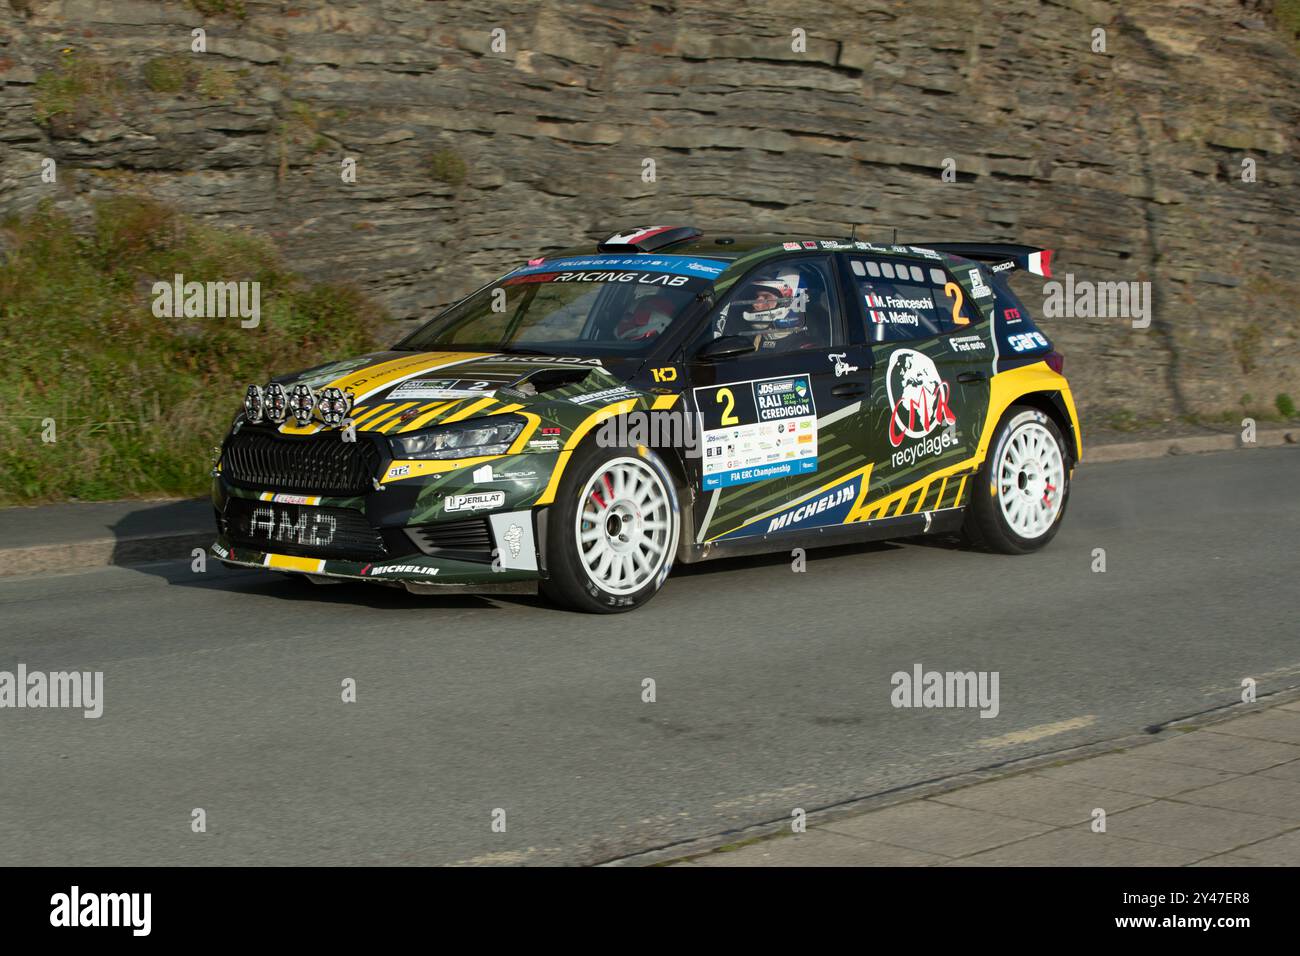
(967, 377)
(849, 389)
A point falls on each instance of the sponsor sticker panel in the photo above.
(757, 430)
(447, 388)
(613, 268)
(830, 506)
(474, 501)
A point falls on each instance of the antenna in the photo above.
(895, 235)
(853, 233)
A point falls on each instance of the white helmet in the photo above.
(784, 300)
(651, 316)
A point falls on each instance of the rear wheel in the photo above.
(612, 533)
(1023, 486)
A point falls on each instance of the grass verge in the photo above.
(135, 404)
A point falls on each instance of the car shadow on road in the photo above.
(784, 557)
(293, 587)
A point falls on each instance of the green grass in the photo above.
(179, 74)
(167, 74)
(216, 83)
(139, 402)
(77, 88)
(216, 8)
(447, 166)
(1287, 14)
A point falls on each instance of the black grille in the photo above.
(303, 530)
(468, 540)
(320, 464)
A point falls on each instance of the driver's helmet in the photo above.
(775, 306)
(650, 317)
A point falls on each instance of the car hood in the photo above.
(400, 391)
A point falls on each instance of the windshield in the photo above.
(583, 305)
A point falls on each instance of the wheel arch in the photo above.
(673, 457)
(1052, 404)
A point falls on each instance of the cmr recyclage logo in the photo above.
(918, 398)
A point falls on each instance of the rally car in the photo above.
(593, 417)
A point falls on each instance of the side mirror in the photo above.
(729, 346)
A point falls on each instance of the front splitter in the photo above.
(420, 574)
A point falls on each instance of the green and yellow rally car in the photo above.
(594, 416)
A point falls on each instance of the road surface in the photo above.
(223, 690)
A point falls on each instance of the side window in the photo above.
(902, 301)
(786, 306)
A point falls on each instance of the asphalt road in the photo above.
(222, 690)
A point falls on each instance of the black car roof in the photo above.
(730, 246)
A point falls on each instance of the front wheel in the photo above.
(612, 533)
(1023, 486)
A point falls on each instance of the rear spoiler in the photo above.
(1001, 256)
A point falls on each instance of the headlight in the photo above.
(253, 405)
(275, 403)
(302, 403)
(462, 440)
(334, 405)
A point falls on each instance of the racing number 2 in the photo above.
(726, 398)
(953, 291)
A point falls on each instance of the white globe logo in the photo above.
(918, 397)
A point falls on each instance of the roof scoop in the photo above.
(647, 238)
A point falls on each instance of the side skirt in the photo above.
(946, 521)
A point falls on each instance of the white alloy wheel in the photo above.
(625, 526)
(1031, 476)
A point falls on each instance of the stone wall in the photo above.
(470, 158)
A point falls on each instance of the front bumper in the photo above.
(424, 574)
(472, 523)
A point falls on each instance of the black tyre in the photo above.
(612, 533)
(1022, 489)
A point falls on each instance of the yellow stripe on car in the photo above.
(289, 499)
(367, 381)
(1005, 388)
(427, 414)
(595, 418)
(285, 562)
(534, 422)
(405, 468)
(376, 423)
(588, 423)
(473, 408)
(370, 413)
(290, 427)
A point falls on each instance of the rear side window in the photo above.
(1011, 308)
(1016, 331)
(901, 301)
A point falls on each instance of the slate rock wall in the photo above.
(471, 158)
